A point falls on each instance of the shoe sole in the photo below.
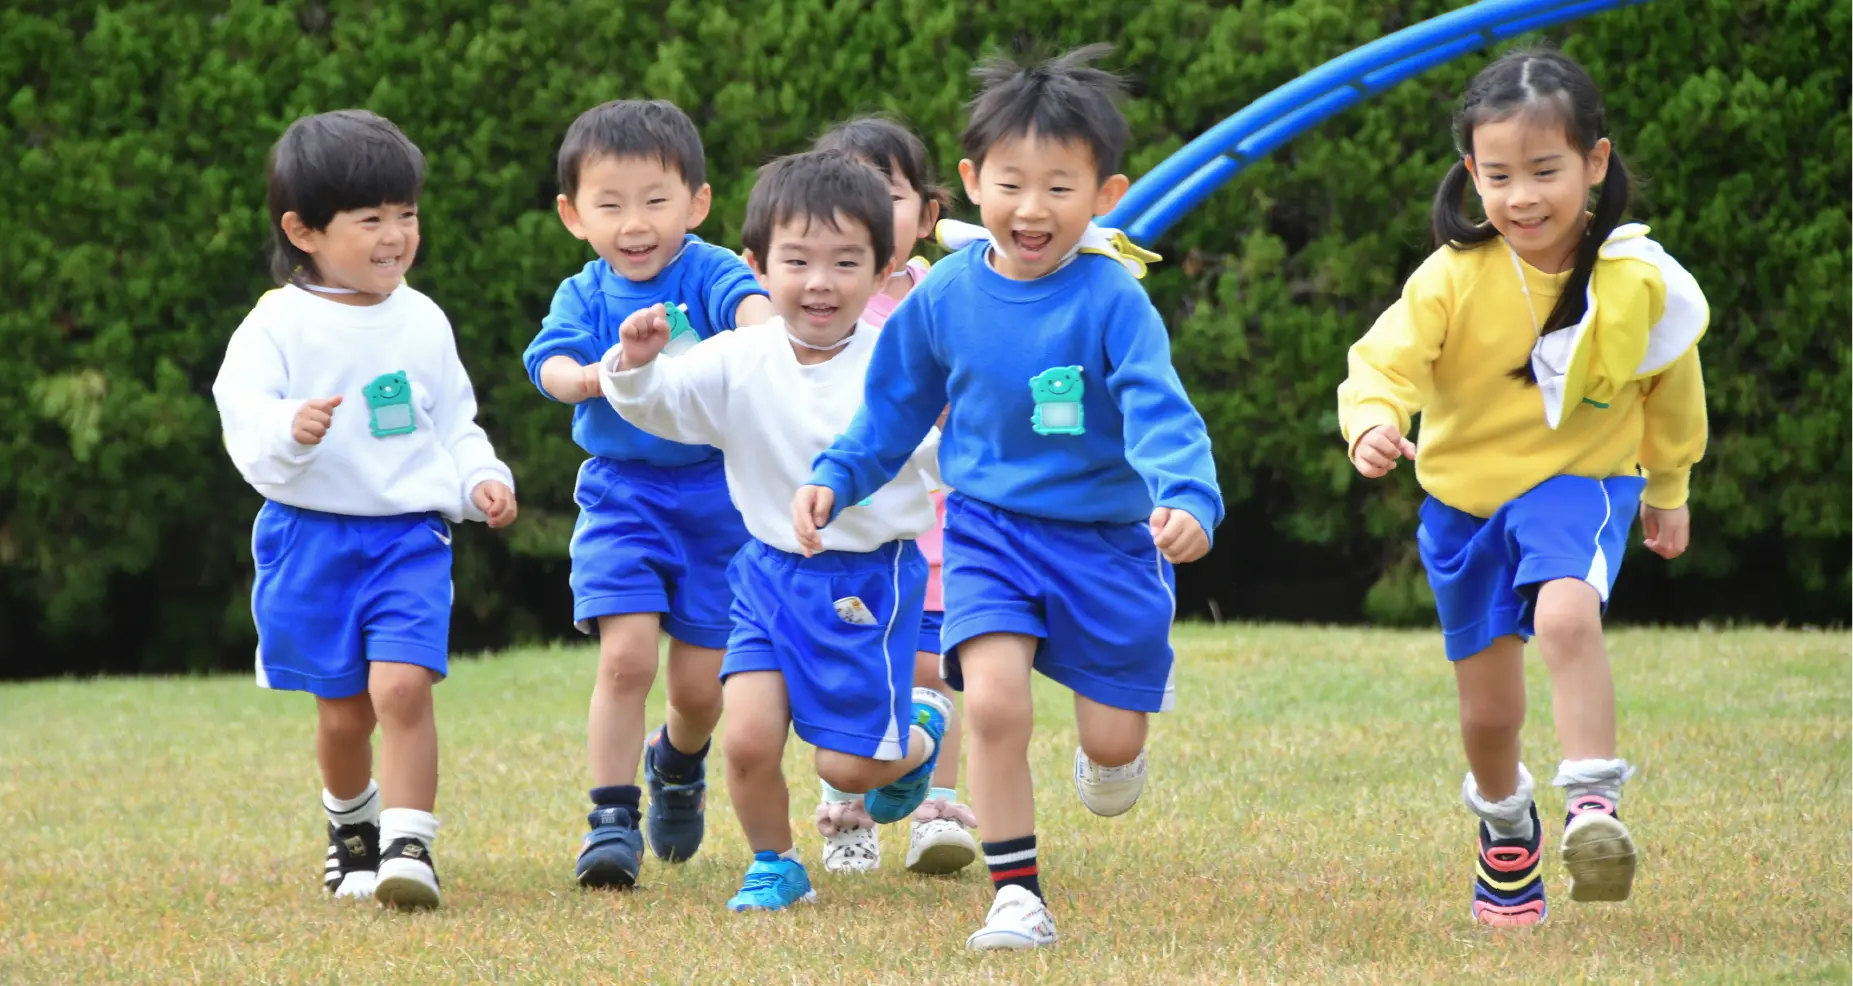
(941, 858)
(810, 897)
(606, 876)
(1600, 856)
(1000, 941)
(406, 893)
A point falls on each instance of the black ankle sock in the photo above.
(1013, 863)
(672, 765)
(626, 796)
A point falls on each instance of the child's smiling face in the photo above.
(634, 211)
(821, 276)
(366, 251)
(1036, 197)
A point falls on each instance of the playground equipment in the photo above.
(1158, 200)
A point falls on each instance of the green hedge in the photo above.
(132, 234)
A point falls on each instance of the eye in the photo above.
(1061, 189)
(1006, 186)
(1547, 172)
(658, 201)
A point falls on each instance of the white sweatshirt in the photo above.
(745, 393)
(296, 346)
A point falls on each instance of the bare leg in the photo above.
(627, 659)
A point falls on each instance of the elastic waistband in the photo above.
(695, 472)
(959, 501)
(835, 562)
(323, 517)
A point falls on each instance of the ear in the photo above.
(1109, 194)
(1597, 161)
(569, 216)
(698, 206)
(968, 173)
(1473, 172)
(300, 235)
(753, 264)
(929, 219)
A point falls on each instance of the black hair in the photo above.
(818, 186)
(1551, 86)
(1062, 99)
(335, 162)
(642, 128)
(894, 151)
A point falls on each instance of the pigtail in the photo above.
(1448, 219)
(1573, 304)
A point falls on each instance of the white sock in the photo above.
(834, 796)
(407, 823)
(1507, 818)
(361, 808)
(791, 854)
(922, 736)
(1602, 778)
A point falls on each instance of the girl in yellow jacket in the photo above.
(1551, 353)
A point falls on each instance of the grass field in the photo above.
(1302, 824)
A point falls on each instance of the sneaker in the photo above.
(1018, 919)
(942, 838)
(773, 884)
(677, 817)
(611, 852)
(850, 842)
(353, 860)
(1508, 885)
(1108, 791)
(1597, 850)
(898, 799)
(408, 877)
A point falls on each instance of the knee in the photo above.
(348, 720)
(626, 666)
(751, 746)
(402, 694)
(1568, 620)
(851, 775)
(1489, 716)
(1114, 748)
(996, 714)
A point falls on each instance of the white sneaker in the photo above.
(1108, 791)
(942, 838)
(1018, 919)
(850, 842)
(356, 886)
(1599, 854)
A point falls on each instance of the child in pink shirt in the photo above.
(941, 840)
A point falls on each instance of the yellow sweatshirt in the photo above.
(1622, 391)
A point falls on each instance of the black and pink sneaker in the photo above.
(1597, 850)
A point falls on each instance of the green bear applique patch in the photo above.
(389, 402)
(682, 334)
(1057, 393)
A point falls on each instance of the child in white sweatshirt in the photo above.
(345, 404)
(822, 642)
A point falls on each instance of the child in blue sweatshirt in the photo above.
(1083, 472)
(656, 528)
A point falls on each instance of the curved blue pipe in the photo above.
(1159, 199)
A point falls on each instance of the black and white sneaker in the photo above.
(353, 860)
(408, 877)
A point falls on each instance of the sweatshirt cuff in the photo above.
(1667, 489)
(622, 385)
(1363, 418)
(832, 475)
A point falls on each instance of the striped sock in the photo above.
(362, 808)
(1013, 864)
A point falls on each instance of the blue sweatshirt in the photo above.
(583, 323)
(1012, 356)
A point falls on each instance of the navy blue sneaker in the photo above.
(898, 799)
(677, 816)
(611, 851)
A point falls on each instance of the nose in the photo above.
(817, 278)
(1522, 193)
(1031, 206)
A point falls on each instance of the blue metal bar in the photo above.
(1159, 199)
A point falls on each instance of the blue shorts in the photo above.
(1486, 573)
(930, 623)
(655, 539)
(1100, 597)
(848, 668)
(335, 593)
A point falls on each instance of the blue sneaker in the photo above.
(610, 853)
(677, 816)
(898, 799)
(773, 884)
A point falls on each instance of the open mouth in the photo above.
(1528, 225)
(820, 314)
(1031, 245)
(385, 263)
(636, 254)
